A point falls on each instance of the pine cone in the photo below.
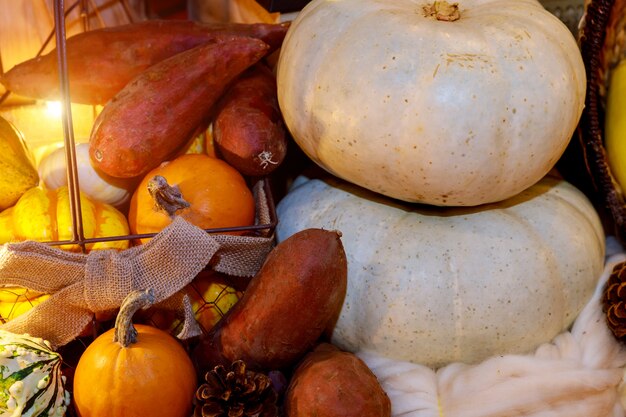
(614, 301)
(235, 393)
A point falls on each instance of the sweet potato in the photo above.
(332, 383)
(158, 112)
(296, 295)
(248, 129)
(101, 62)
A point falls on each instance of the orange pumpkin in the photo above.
(134, 371)
(45, 216)
(205, 191)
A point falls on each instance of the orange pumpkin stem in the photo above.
(442, 10)
(125, 333)
(167, 198)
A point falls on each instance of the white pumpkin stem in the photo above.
(442, 10)
(125, 333)
(167, 198)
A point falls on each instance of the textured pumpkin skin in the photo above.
(446, 113)
(153, 377)
(436, 285)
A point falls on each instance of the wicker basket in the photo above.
(602, 42)
(568, 11)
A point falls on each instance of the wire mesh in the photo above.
(212, 294)
(91, 12)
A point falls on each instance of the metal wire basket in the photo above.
(90, 12)
(215, 301)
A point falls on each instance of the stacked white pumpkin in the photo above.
(440, 124)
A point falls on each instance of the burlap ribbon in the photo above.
(84, 284)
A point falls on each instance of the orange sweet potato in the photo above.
(158, 112)
(101, 62)
(248, 129)
(332, 383)
(296, 295)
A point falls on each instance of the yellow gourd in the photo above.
(615, 124)
(16, 165)
(44, 215)
(15, 301)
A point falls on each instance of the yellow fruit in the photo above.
(6, 226)
(15, 301)
(44, 215)
(615, 124)
(211, 297)
(203, 143)
(16, 165)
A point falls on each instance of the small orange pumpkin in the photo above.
(134, 371)
(205, 191)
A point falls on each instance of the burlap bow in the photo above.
(84, 284)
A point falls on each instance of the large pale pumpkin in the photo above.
(453, 113)
(434, 285)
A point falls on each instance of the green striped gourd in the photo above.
(31, 383)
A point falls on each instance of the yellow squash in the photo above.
(16, 165)
(211, 297)
(615, 124)
(15, 301)
(45, 215)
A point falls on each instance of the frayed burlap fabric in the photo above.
(82, 285)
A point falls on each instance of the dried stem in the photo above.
(167, 198)
(125, 332)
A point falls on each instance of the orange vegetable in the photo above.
(248, 128)
(292, 301)
(205, 191)
(102, 61)
(158, 112)
(134, 371)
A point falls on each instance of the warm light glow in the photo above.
(41, 122)
(54, 110)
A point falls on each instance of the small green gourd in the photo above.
(31, 382)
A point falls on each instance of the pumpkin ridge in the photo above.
(551, 260)
(583, 215)
(458, 305)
